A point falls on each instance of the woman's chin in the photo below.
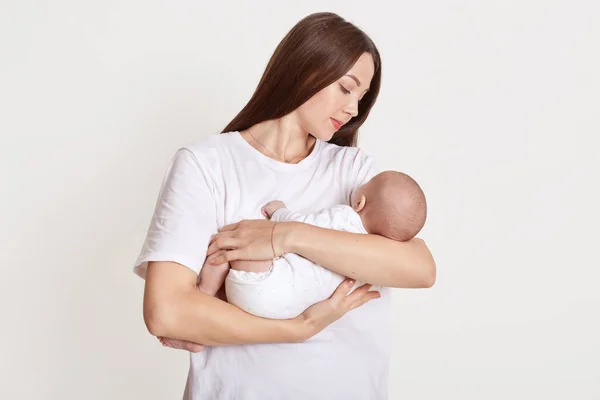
(324, 136)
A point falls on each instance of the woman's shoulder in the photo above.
(206, 149)
(201, 155)
(210, 143)
(347, 155)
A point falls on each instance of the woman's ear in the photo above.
(361, 203)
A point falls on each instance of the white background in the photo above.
(492, 106)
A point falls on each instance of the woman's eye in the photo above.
(344, 89)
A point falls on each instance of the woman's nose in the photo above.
(352, 108)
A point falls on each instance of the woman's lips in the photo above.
(336, 124)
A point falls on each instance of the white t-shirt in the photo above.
(222, 179)
(293, 283)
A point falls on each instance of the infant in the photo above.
(391, 204)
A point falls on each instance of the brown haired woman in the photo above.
(294, 141)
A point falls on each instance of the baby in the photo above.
(391, 204)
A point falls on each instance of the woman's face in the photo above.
(324, 113)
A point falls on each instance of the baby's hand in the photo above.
(269, 209)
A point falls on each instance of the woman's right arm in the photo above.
(175, 308)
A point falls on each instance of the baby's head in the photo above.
(391, 204)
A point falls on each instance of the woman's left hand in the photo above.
(248, 239)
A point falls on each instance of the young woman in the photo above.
(294, 141)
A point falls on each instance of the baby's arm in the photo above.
(339, 217)
(277, 211)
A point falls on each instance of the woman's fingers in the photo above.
(359, 292)
(222, 243)
(229, 255)
(343, 289)
(211, 257)
(230, 227)
(325, 312)
(220, 235)
(358, 297)
(364, 299)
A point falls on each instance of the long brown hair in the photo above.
(316, 52)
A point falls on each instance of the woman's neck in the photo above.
(280, 139)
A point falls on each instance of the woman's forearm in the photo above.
(201, 318)
(368, 258)
(175, 308)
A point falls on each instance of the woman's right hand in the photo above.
(320, 315)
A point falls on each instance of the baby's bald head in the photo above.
(393, 205)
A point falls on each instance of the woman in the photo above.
(294, 141)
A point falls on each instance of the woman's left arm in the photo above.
(365, 257)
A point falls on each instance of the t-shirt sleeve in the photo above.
(363, 169)
(184, 218)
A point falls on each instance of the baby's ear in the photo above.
(361, 203)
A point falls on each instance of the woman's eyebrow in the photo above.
(356, 80)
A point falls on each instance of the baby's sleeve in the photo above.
(285, 215)
(184, 218)
(335, 217)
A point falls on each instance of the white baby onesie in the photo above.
(293, 283)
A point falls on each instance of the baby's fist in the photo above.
(269, 209)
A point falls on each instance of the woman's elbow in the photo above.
(423, 269)
(427, 272)
(158, 320)
(165, 289)
(428, 279)
(417, 280)
(161, 313)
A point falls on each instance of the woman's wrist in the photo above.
(292, 330)
(298, 329)
(288, 236)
